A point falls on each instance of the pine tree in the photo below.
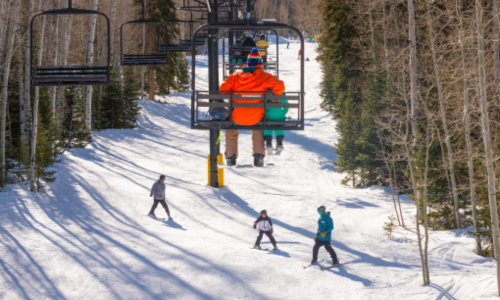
(74, 134)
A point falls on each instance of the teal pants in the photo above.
(276, 132)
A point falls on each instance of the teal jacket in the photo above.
(325, 224)
(277, 114)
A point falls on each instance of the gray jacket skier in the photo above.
(158, 190)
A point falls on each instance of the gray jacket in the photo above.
(158, 190)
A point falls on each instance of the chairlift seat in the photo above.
(70, 75)
(144, 59)
(175, 47)
(210, 100)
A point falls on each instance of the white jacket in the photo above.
(264, 224)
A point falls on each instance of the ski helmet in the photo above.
(262, 37)
(162, 177)
(263, 212)
(321, 210)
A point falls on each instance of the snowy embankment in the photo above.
(88, 237)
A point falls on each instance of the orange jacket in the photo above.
(258, 81)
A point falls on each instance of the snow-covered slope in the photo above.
(88, 237)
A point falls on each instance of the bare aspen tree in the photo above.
(14, 28)
(113, 30)
(372, 29)
(55, 54)
(470, 158)
(386, 47)
(4, 26)
(487, 138)
(90, 61)
(22, 100)
(27, 81)
(447, 134)
(413, 70)
(34, 130)
(425, 261)
(496, 46)
(143, 69)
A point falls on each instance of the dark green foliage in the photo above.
(352, 97)
(44, 156)
(173, 77)
(117, 105)
(75, 134)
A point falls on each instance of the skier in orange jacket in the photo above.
(251, 79)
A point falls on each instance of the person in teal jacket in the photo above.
(324, 236)
(275, 114)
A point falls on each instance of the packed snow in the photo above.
(87, 235)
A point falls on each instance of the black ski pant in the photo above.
(163, 203)
(328, 247)
(269, 235)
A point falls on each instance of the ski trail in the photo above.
(88, 236)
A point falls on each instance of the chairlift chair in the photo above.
(209, 100)
(145, 59)
(75, 74)
(238, 55)
(186, 44)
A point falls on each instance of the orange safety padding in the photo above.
(258, 81)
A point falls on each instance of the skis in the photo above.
(245, 166)
(310, 265)
(271, 152)
(333, 266)
(160, 219)
(261, 249)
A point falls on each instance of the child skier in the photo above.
(265, 226)
(275, 114)
(158, 191)
(324, 236)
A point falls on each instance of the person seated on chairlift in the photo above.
(251, 79)
(248, 41)
(262, 45)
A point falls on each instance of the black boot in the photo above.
(279, 141)
(258, 160)
(269, 141)
(231, 161)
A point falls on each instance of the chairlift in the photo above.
(75, 74)
(201, 101)
(145, 59)
(185, 45)
(238, 55)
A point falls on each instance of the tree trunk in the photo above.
(397, 193)
(372, 29)
(386, 49)
(470, 158)
(34, 130)
(428, 143)
(90, 61)
(443, 116)
(112, 33)
(487, 139)
(55, 53)
(413, 71)
(27, 81)
(22, 100)
(14, 26)
(496, 46)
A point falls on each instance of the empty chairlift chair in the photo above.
(145, 59)
(184, 45)
(73, 74)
